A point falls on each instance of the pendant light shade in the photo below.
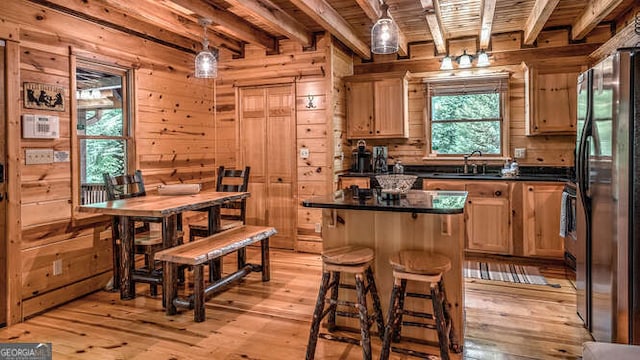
(464, 60)
(483, 59)
(384, 34)
(447, 64)
(206, 63)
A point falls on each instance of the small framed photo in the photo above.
(43, 96)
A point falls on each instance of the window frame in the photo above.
(128, 106)
(477, 82)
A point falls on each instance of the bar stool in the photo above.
(354, 260)
(426, 267)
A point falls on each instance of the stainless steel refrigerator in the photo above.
(608, 204)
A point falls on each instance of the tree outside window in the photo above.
(467, 116)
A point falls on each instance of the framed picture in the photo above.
(43, 96)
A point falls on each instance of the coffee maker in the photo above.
(361, 158)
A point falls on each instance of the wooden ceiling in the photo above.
(264, 22)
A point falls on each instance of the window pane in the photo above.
(102, 156)
(465, 137)
(99, 98)
(104, 122)
(462, 107)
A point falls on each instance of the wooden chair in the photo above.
(232, 214)
(147, 241)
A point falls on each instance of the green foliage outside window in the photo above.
(461, 124)
(104, 155)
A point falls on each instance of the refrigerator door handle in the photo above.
(586, 175)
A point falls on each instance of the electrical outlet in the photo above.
(304, 153)
(520, 153)
(57, 267)
(318, 227)
(38, 156)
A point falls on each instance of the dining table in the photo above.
(158, 208)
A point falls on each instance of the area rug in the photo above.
(505, 272)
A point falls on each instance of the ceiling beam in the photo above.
(434, 21)
(595, 11)
(275, 17)
(539, 15)
(228, 23)
(486, 22)
(322, 13)
(372, 9)
(163, 18)
(116, 16)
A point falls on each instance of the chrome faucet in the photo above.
(465, 169)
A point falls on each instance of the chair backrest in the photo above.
(230, 180)
(124, 186)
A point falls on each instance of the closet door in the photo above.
(3, 207)
(267, 123)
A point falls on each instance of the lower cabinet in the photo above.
(488, 217)
(361, 181)
(487, 213)
(541, 220)
(510, 217)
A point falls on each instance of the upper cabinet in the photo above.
(551, 100)
(377, 106)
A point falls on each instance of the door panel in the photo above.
(267, 128)
(488, 224)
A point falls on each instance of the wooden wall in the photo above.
(174, 137)
(310, 71)
(553, 51)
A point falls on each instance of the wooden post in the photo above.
(266, 267)
(198, 294)
(127, 260)
(169, 286)
(215, 266)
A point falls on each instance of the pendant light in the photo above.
(384, 34)
(447, 64)
(483, 59)
(206, 63)
(464, 60)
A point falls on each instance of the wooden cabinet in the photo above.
(487, 213)
(488, 217)
(551, 100)
(377, 106)
(362, 182)
(541, 220)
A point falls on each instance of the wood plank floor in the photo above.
(271, 320)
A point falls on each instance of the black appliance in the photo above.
(569, 222)
(361, 158)
(608, 198)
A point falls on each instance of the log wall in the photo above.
(310, 71)
(174, 143)
(553, 51)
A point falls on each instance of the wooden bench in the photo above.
(199, 253)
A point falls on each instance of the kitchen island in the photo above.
(423, 220)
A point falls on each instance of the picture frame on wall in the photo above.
(44, 96)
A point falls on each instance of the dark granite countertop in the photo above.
(527, 173)
(415, 201)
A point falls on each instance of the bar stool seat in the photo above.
(427, 267)
(355, 260)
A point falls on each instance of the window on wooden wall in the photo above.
(103, 127)
(467, 115)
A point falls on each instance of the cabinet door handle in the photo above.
(498, 193)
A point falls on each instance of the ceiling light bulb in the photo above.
(483, 59)
(464, 60)
(206, 63)
(384, 34)
(447, 64)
